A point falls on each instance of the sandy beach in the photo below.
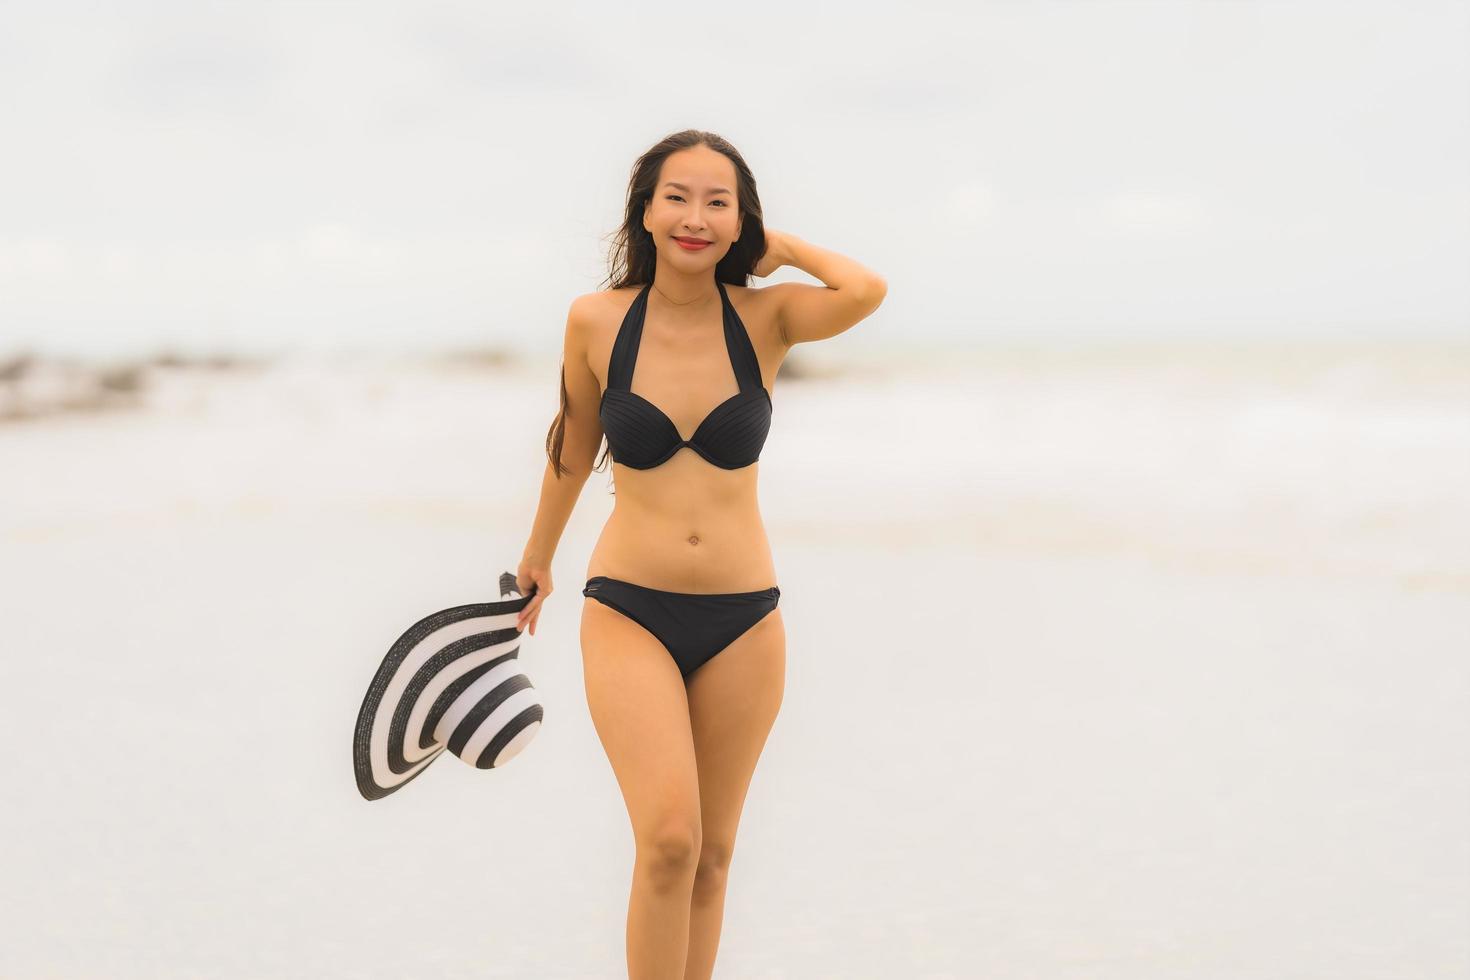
(1112, 663)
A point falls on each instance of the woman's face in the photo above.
(701, 207)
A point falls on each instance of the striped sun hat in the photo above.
(452, 680)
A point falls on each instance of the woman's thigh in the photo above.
(733, 702)
(637, 700)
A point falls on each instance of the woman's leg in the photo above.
(733, 702)
(639, 707)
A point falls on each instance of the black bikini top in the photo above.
(641, 436)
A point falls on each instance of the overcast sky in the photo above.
(261, 175)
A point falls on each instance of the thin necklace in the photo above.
(669, 301)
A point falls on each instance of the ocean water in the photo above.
(1132, 662)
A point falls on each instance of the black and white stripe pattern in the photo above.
(452, 680)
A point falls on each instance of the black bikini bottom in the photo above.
(692, 626)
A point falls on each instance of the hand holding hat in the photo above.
(532, 579)
(452, 680)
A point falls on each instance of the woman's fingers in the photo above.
(538, 586)
(531, 613)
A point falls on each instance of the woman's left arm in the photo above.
(806, 313)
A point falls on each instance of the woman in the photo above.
(683, 648)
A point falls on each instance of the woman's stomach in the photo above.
(685, 545)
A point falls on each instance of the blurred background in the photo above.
(1124, 552)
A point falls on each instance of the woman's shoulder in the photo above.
(756, 306)
(595, 316)
(603, 303)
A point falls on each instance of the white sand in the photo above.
(1137, 665)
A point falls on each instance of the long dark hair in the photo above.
(632, 257)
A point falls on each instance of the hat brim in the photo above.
(459, 658)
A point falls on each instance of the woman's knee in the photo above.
(712, 868)
(671, 850)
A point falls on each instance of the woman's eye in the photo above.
(676, 197)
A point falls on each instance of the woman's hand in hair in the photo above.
(775, 255)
